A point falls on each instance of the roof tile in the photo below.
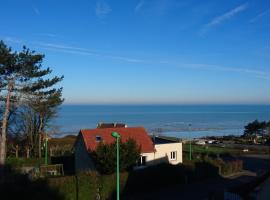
(139, 134)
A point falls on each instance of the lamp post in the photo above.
(117, 137)
(190, 154)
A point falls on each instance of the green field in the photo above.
(209, 149)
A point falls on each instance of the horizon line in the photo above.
(165, 104)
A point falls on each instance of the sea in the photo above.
(184, 121)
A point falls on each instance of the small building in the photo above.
(154, 151)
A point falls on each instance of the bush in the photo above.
(14, 185)
(229, 167)
(24, 162)
(82, 186)
(86, 186)
(105, 156)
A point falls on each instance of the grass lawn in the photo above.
(209, 149)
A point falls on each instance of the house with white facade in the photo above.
(154, 150)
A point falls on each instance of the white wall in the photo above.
(163, 154)
(164, 151)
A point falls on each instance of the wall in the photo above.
(163, 154)
(164, 151)
(83, 161)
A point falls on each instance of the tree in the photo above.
(105, 156)
(256, 128)
(22, 80)
(43, 107)
(9, 71)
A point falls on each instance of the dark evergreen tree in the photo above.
(23, 80)
(256, 128)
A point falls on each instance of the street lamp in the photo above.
(117, 136)
(190, 156)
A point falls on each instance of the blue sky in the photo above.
(148, 51)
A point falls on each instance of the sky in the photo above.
(148, 51)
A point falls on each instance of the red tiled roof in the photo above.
(139, 134)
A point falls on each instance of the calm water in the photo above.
(170, 120)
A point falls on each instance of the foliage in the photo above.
(24, 162)
(229, 167)
(208, 149)
(256, 128)
(90, 185)
(86, 186)
(105, 156)
(28, 96)
(18, 186)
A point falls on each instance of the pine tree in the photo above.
(22, 79)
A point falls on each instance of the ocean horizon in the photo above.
(183, 121)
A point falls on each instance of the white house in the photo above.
(153, 150)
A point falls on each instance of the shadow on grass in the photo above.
(163, 176)
(14, 185)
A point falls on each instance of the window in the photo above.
(142, 161)
(173, 155)
(98, 138)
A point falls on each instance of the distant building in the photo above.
(200, 142)
(153, 151)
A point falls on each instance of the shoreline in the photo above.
(183, 134)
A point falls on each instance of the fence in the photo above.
(51, 170)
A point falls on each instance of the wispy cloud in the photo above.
(139, 5)
(36, 10)
(260, 74)
(260, 15)
(221, 18)
(255, 73)
(13, 40)
(60, 46)
(102, 9)
(87, 52)
(226, 16)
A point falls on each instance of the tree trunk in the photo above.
(4, 126)
(40, 130)
(17, 151)
(27, 152)
(39, 145)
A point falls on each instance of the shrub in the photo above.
(24, 162)
(228, 167)
(82, 186)
(105, 156)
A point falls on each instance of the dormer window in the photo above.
(98, 138)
